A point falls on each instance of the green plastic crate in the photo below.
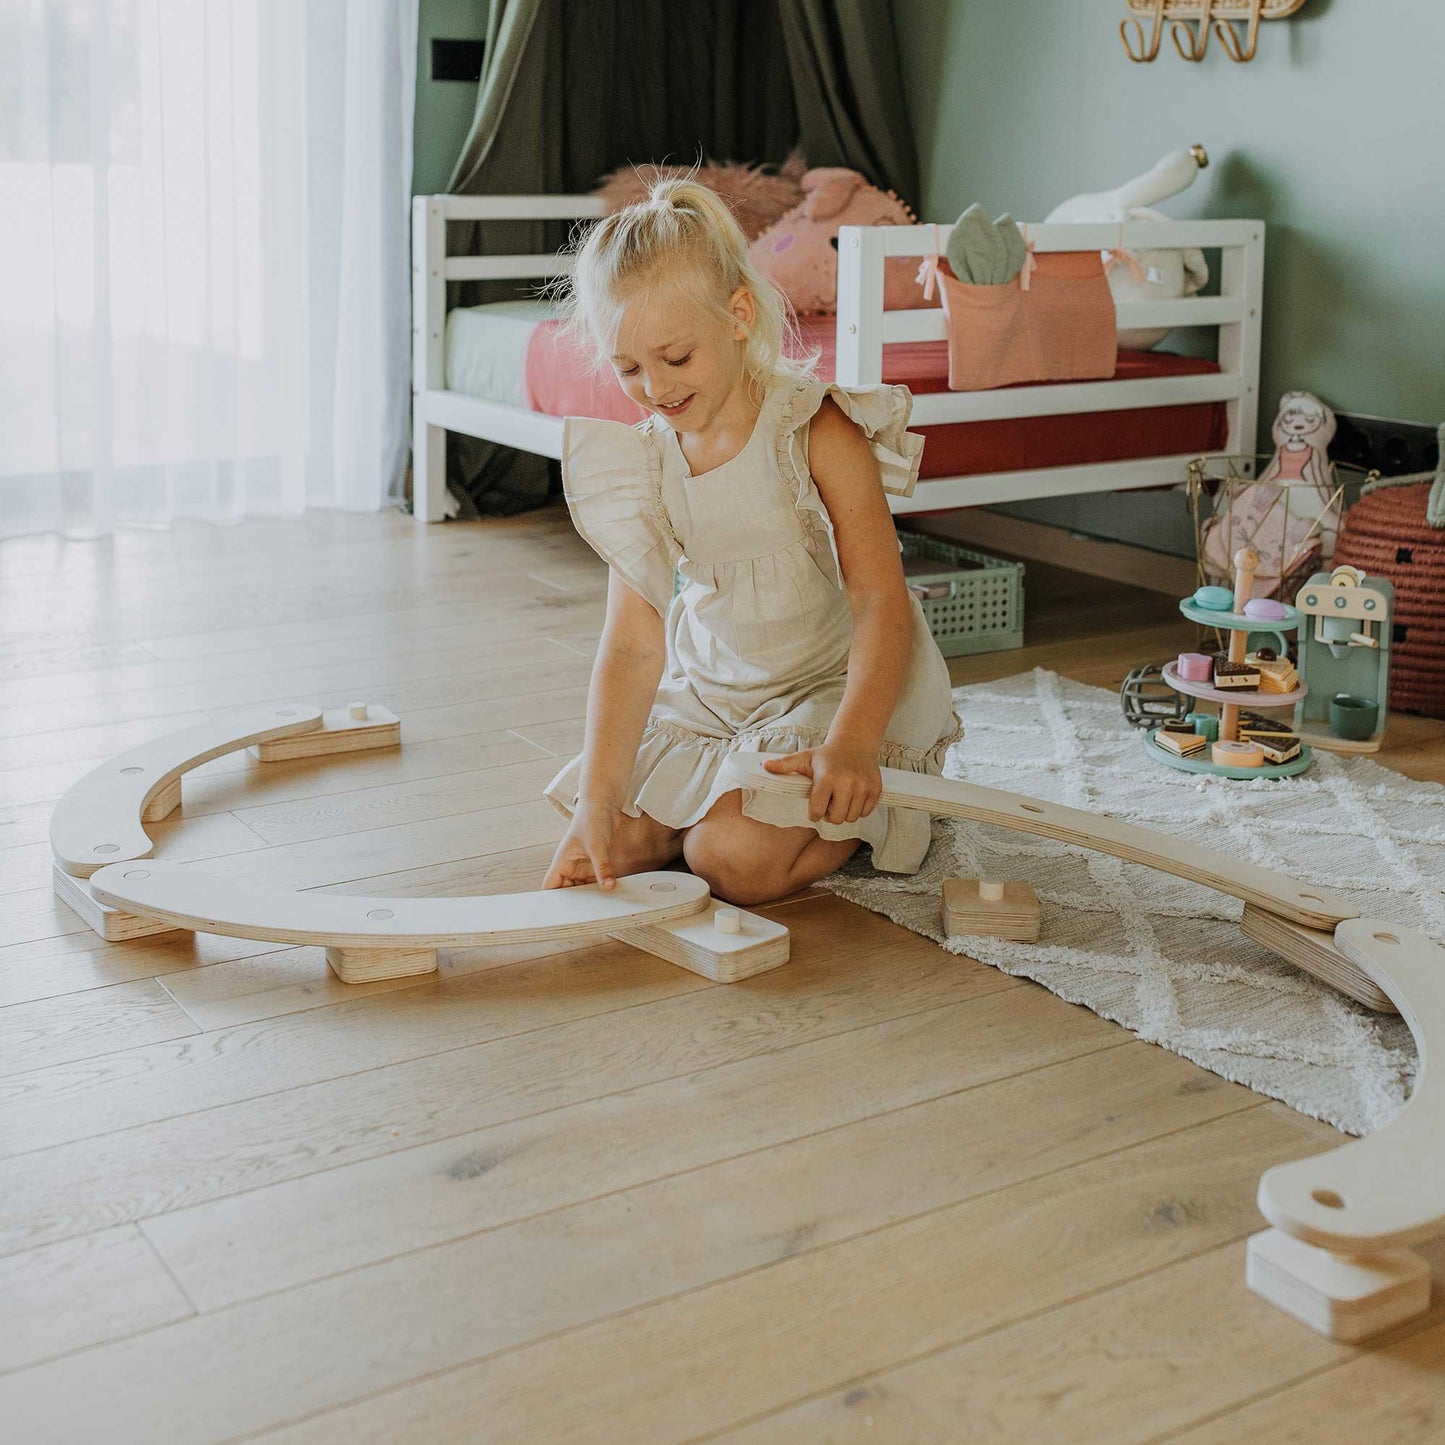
(984, 611)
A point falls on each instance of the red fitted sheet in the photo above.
(559, 382)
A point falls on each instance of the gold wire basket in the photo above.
(1286, 522)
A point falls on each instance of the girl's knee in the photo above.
(736, 864)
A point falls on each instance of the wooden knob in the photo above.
(990, 891)
(358, 711)
(728, 920)
(1246, 559)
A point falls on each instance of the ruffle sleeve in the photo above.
(881, 412)
(612, 480)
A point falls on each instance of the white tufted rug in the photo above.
(1165, 957)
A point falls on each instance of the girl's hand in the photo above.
(584, 854)
(846, 781)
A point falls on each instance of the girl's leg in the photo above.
(641, 844)
(749, 863)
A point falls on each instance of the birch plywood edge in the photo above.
(952, 798)
(100, 818)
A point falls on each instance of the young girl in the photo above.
(792, 632)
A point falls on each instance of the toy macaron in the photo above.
(1265, 609)
(1214, 599)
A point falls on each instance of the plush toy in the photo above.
(799, 252)
(1290, 514)
(1155, 275)
(983, 252)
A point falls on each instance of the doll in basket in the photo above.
(1290, 515)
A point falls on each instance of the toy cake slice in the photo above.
(1276, 674)
(1278, 748)
(1183, 744)
(1255, 727)
(1229, 676)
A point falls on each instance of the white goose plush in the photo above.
(1163, 274)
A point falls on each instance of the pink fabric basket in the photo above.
(1058, 327)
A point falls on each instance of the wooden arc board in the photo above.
(188, 897)
(1387, 1189)
(98, 821)
(952, 798)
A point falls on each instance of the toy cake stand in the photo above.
(1239, 626)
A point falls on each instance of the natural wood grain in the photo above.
(138, 1130)
(1388, 1396)
(829, 1301)
(1089, 1373)
(84, 1292)
(101, 1021)
(308, 1228)
(821, 1265)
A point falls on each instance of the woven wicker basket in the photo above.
(1385, 535)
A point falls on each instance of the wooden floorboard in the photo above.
(572, 1193)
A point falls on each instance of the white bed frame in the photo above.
(863, 328)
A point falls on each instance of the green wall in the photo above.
(443, 107)
(1334, 134)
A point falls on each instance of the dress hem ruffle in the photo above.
(680, 775)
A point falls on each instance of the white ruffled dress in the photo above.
(759, 631)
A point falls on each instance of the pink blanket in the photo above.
(559, 381)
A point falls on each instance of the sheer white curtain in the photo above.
(203, 258)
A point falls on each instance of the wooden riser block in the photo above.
(112, 924)
(371, 965)
(1316, 953)
(1344, 1297)
(339, 732)
(163, 804)
(1015, 916)
(698, 945)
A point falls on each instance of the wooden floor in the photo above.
(883, 1194)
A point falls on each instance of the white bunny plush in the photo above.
(1159, 274)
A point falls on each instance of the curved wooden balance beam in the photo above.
(101, 819)
(97, 831)
(1337, 1257)
(1278, 912)
(373, 938)
(952, 798)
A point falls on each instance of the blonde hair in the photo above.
(683, 232)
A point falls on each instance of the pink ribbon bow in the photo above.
(1119, 253)
(1026, 271)
(928, 271)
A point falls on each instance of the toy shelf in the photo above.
(1238, 697)
(1221, 770)
(1238, 622)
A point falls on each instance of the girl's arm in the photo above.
(846, 780)
(624, 682)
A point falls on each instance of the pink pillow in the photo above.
(799, 252)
